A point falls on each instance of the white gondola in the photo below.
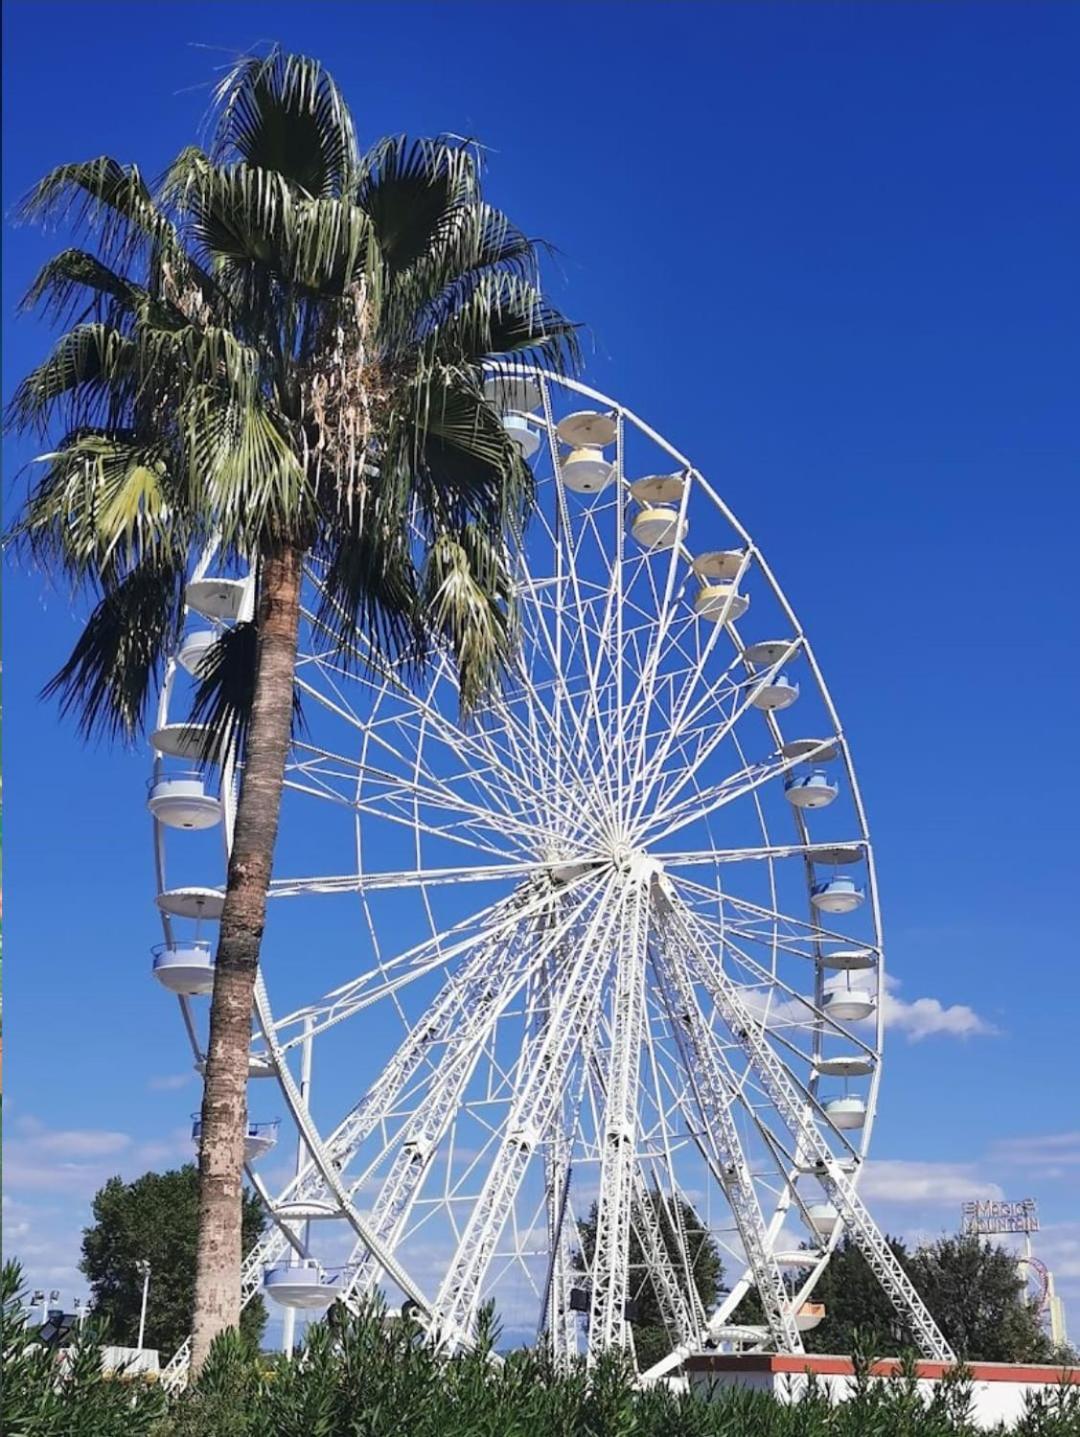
(180, 740)
(809, 1315)
(849, 1005)
(303, 1284)
(586, 471)
(837, 895)
(659, 488)
(194, 649)
(718, 564)
(657, 526)
(720, 602)
(260, 1065)
(810, 790)
(856, 1065)
(849, 958)
(522, 433)
(779, 693)
(511, 391)
(185, 968)
(215, 598)
(192, 902)
(823, 1218)
(259, 1138)
(587, 428)
(847, 1113)
(181, 801)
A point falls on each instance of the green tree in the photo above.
(856, 1303)
(974, 1290)
(280, 350)
(652, 1337)
(155, 1219)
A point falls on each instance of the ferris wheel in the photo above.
(544, 994)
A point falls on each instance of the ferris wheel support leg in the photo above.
(645, 1221)
(454, 1309)
(611, 1258)
(782, 1091)
(712, 1099)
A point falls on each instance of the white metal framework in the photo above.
(606, 954)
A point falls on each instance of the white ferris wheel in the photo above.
(607, 954)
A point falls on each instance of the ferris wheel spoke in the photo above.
(643, 693)
(590, 754)
(681, 714)
(542, 1077)
(666, 821)
(490, 926)
(417, 780)
(719, 733)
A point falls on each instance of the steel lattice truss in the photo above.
(571, 966)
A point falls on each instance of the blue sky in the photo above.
(828, 250)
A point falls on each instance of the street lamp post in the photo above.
(143, 1269)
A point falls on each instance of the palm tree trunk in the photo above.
(224, 1105)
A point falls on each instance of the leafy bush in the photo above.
(54, 1394)
(371, 1375)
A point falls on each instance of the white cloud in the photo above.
(925, 1184)
(168, 1082)
(1046, 1156)
(929, 1017)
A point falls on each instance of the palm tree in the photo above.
(277, 349)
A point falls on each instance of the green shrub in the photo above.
(367, 1375)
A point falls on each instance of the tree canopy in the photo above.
(155, 1219)
(971, 1287)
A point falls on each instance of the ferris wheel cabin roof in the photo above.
(818, 750)
(215, 598)
(837, 855)
(718, 563)
(856, 1065)
(659, 488)
(767, 652)
(513, 391)
(180, 740)
(192, 902)
(587, 427)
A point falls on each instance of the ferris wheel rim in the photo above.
(318, 1150)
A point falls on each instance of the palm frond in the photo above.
(92, 372)
(104, 507)
(119, 658)
(411, 190)
(468, 603)
(242, 471)
(221, 708)
(284, 113)
(74, 286)
(504, 314)
(369, 595)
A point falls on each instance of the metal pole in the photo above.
(288, 1328)
(144, 1269)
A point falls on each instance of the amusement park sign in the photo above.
(983, 1218)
